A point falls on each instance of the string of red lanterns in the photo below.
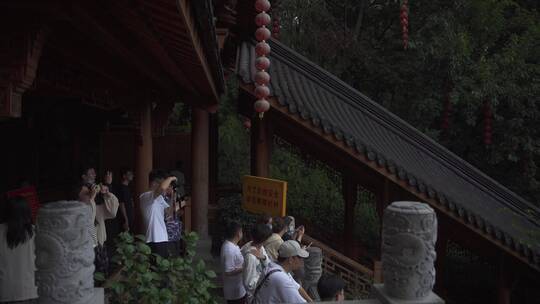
(488, 122)
(404, 19)
(262, 62)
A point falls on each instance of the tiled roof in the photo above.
(336, 108)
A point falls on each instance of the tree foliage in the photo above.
(473, 51)
(233, 148)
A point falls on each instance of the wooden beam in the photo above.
(261, 146)
(149, 38)
(504, 281)
(143, 160)
(86, 23)
(350, 196)
(199, 170)
(441, 247)
(19, 61)
(213, 157)
(189, 23)
(79, 54)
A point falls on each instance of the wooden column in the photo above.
(143, 159)
(261, 146)
(350, 196)
(213, 157)
(504, 281)
(199, 171)
(382, 200)
(441, 249)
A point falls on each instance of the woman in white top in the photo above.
(17, 255)
(104, 206)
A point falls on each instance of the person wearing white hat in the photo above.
(277, 285)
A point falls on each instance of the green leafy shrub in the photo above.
(149, 278)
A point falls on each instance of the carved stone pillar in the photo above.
(408, 254)
(313, 272)
(65, 254)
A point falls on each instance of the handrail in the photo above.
(358, 278)
(329, 251)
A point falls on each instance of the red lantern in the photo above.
(446, 114)
(261, 106)
(262, 78)
(275, 28)
(488, 124)
(262, 63)
(404, 19)
(247, 123)
(262, 34)
(262, 5)
(262, 19)
(262, 48)
(262, 91)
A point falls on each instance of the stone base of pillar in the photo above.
(99, 296)
(379, 293)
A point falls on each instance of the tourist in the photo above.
(265, 219)
(232, 263)
(17, 253)
(277, 285)
(293, 233)
(103, 205)
(180, 179)
(172, 220)
(275, 240)
(331, 288)
(125, 199)
(106, 207)
(86, 193)
(255, 257)
(153, 207)
(88, 176)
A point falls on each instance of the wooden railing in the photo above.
(357, 277)
(186, 217)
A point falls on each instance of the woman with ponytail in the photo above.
(17, 255)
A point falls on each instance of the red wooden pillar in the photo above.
(261, 146)
(350, 196)
(143, 159)
(382, 200)
(441, 249)
(504, 281)
(199, 171)
(213, 157)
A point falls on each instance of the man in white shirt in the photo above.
(277, 285)
(153, 207)
(232, 263)
(255, 258)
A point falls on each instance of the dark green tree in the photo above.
(462, 55)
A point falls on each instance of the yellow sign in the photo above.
(264, 195)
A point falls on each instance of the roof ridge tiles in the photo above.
(403, 128)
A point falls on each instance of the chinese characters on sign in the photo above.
(264, 195)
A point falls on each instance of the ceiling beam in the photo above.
(150, 39)
(81, 19)
(189, 24)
